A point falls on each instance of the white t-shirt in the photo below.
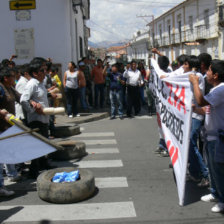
(214, 118)
(133, 77)
(202, 88)
(20, 87)
(72, 80)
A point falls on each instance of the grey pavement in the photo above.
(149, 196)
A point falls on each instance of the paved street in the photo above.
(135, 185)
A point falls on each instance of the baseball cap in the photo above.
(81, 63)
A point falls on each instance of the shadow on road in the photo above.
(5, 214)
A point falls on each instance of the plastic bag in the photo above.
(66, 177)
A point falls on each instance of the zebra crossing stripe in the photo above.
(111, 182)
(93, 211)
(99, 164)
(95, 134)
(100, 142)
(102, 150)
(143, 117)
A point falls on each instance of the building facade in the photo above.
(139, 47)
(54, 29)
(192, 27)
(117, 54)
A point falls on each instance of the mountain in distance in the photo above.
(107, 44)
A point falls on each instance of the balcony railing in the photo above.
(197, 34)
(202, 32)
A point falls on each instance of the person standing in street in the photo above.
(134, 80)
(34, 99)
(8, 97)
(98, 76)
(116, 92)
(71, 86)
(82, 86)
(20, 87)
(89, 92)
(4, 192)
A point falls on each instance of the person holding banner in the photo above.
(214, 125)
(197, 167)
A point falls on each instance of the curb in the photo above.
(66, 131)
(85, 118)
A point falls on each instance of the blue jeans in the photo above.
(72, 96)
(162, 144)
(116, 96)
(142, 96)
(10, 172)
(82, 92)
(197, 167)
(216, 171)
(99, 89)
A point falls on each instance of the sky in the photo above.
(116, 20)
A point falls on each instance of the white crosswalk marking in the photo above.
(143, 117)
(99, 164)
(101, 142)
(84, 211)
(111, 182)
(35, 213)
(102, 150)
(95, 134)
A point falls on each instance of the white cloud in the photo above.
(115, 20)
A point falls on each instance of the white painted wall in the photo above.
(195, 8)
(53, 22)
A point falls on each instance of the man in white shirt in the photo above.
(20, 87)
(36, 93)
(134, 80)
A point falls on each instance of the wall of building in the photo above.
(203, 29)
(54, 31)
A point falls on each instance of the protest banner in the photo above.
(173, 98)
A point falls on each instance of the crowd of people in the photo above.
(206, 148)
(27, 89)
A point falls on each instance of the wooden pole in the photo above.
(20, 133)
(36, 135)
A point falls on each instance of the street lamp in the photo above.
(76, 3)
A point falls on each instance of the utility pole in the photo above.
(153, 28)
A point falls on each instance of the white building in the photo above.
(192, 27)
(139, 47)
(55, 29)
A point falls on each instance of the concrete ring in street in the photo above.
(66, 131)
(65, 193)
(72, 150)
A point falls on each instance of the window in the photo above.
(81, 47)
(206, 18)
(191, 24)
(179, 26)
(160, 33)
(169, 31)
(221, 12)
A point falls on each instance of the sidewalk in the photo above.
(93, 115)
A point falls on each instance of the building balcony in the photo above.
(202, 33)
(166, 41)
(189, 35)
